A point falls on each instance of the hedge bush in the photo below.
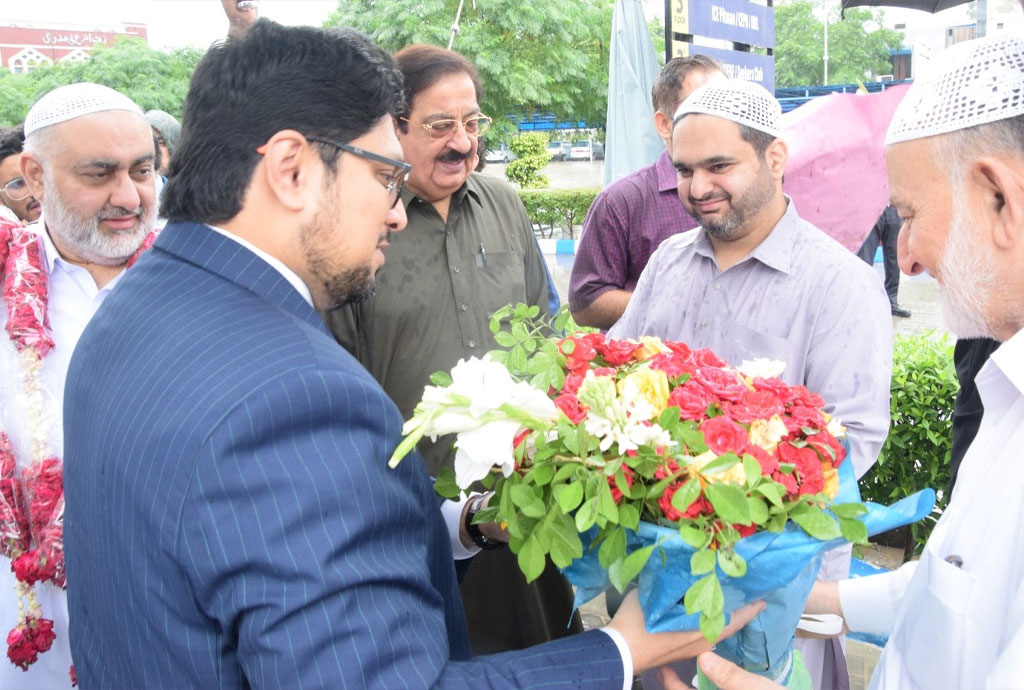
(917, 451)
(561, 208)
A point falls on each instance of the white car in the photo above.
(580, 151)
(499, 154)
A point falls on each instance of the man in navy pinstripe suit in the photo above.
(231, 521)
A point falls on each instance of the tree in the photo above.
(858, 46)
(549, 56)
(151, 78)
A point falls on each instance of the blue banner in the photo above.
(739, 21)
(754, 67)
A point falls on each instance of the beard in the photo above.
(730, 225)
(341, 286)
(82, 234)
(968, 279)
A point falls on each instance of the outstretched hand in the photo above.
(650, 650)
(724, 674)
(240, 18)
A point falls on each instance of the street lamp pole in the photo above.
(825, 58)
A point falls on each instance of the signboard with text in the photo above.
(754, 67)
(739, 21)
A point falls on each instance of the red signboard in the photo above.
(21, 47)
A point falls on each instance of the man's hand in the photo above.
(240, 18)
(651, 650)
(725, 675)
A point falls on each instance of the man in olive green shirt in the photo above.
(468, 249)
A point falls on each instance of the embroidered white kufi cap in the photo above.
(743, 102)
(75, 100)
(972, 83)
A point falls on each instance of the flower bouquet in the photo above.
(709, 485)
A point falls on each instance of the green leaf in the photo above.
(541, 474)
(729, 502)
(694, 536)
(816, 523)
(731, 563)
(702, 561)
(752, 468)
(711, 626)
(526, 499)
(607, 508)
(531, 559)
(565, 471)
(686, 495)
(776, 523)
(586, 516)
(853, 530)
(703, 595)
(441, 378)
(612, 548)
(720, 464)
(629, 516)
(758, 510)
(445, 484)
(504, 338)
(771, 490)
(565, 542)
(569, 496)
(848, 510)
(625, 571)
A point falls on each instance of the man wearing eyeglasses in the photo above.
(467, 251)
(14, 192)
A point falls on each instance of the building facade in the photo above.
(24, 46)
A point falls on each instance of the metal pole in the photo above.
(825, 59)
(455, 26)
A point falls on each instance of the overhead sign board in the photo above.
(739, 21)
(754, 67)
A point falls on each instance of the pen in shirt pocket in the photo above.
(483, 254)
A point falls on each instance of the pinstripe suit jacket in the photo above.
(231, 520)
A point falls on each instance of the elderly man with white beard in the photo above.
(955, 156)
(88, 159)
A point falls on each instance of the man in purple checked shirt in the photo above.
(631, 217)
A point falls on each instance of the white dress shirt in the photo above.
(73, 299)
(957, 616)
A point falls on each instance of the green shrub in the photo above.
(916, 453)
(561, 208)
(532, 149)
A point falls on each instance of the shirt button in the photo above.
(717, 286)
(472, 343)
(455, 268)
(464, 307)
(704, 323)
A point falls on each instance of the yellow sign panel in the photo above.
(680, 49)
(680, 18)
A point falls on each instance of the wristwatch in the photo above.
(474, 532)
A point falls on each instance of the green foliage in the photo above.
(533, 153)
(562, 208)
(858, 46)
(151, 78)
(552, 56)
(916, 452)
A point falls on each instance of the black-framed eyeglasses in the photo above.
(440, 129)
(16, 189)
(395, 181)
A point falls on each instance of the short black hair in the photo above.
(423, 65)
(756, 138)
(12, 141)
(330, 83)
(669, 83)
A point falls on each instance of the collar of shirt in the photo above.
(274, 262)
(55, 262)
(668, 181)
(775, 250)
(1001, 380)
(468, 187)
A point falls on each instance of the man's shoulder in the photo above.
(490, 188)
(830, 261)
(640, 182)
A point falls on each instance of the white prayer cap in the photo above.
(740, 101)
(972, 83)
(75, 100)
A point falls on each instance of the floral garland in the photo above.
(32, 504)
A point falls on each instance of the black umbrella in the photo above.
(926, 5)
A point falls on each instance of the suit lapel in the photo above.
(199, 245)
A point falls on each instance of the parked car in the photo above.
(598, 150)
(559, 150)
(580, 150)
(499, 154)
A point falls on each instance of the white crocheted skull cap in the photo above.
(740, 101)
(971, 83)
(75, 100)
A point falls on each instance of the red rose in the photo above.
(724, 435)
(616, 352)
(627, 472)
(674, 365)
(604, 371)
(755, 405)
(706, 358)
(681, 349)
(802, 416)
(776, 386)
(578, 354)
(724, 383)
(692, 399)
(665, 470)
(799, 395)
(27, 640)
(808, 466)
(570, 405)
(74, 676)
(701, 506)
(769, 463)
(573, 381)
(745, 530)
(788, 481)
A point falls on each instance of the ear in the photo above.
(663, 125)
(776, 156)
(996, 187)
(32, 172)
(291, 170)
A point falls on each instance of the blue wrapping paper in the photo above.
(781, 569)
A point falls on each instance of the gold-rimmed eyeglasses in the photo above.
(395, 181)
(441, 129)
(16, 189)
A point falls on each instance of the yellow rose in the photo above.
(646, 384)
(768, 433)
(651, 345)
(734, 475)
(831, 475)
